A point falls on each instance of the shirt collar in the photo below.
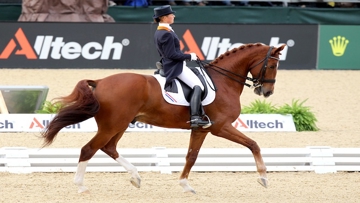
(166, 25)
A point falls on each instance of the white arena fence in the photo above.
(319, 159)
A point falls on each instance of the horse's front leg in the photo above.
(196, 140)
(232, 134)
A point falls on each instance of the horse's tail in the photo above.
(79, 106)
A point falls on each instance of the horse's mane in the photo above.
(234, 50)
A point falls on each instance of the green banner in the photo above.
(9, 12)
(339, 47)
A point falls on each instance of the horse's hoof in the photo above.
(191, 190)
(83, 190)
(187, 188)
(135, 182)
(263, 181)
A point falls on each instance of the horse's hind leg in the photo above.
(79, 176)
(87, 152)
(85, 156)
(232, 134)
(196, 140)
(110, 149)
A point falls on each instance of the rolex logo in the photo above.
(338, 45)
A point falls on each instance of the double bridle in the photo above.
(257, 82)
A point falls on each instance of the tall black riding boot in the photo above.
(196, 110)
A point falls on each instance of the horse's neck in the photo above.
(231, 83)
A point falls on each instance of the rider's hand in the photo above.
(193, 56)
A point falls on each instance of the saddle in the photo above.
(178, 93)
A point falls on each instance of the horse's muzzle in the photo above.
(263, 91)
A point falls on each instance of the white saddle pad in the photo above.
(179, 98)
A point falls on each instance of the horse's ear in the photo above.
(278, 49)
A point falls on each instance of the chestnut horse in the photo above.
(119, 99)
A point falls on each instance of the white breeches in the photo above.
(189, 78)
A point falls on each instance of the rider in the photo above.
(174, 65)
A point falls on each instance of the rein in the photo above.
(257, 82)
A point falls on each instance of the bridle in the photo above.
(257, 82)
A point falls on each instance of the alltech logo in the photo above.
(36, 124)
(256, 124)
(213, 47)
(6, 124)
(55, 47)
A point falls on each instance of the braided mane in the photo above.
(234, 50)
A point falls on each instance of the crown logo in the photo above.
(338, 45)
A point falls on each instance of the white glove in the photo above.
(193, 56)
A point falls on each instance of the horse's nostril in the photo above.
(267, 94)
(258, 91)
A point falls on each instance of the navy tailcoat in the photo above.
(168, 46)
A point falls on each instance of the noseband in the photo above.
(257, 82)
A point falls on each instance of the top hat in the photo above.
(162, 11)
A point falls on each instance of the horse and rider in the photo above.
(114, 104)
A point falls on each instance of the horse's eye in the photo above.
(272, 67)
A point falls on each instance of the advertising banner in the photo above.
(339, 47)
(73, 45)
(209, 41)
(131, 46)
(38, 122)
(264, 123)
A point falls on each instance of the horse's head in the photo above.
(264, 71)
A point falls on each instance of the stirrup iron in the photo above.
(198, 122)
(209, 122)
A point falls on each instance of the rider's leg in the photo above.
(196, 109)
(189, 78)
